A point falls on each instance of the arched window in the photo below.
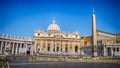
(38, 48)
(76, 48)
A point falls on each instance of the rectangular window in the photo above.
(113, 49)
(54, 49)
(66, 49)
(117, 49)
(57, 49)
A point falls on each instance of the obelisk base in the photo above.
(95, 54)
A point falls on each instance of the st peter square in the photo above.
(56, 42)
(59, 34)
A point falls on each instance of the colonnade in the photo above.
(111, 50)
(12, 47)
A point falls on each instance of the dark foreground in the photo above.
(63, 65)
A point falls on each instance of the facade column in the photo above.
(51, 47)
(73, 47)
(41, 44)
(78, 47)
(46, 46)
(68, 47)
(55, 46)
(63, 47)
(60, 47)
(1, 47)
(35, 47)
(16, 49)
(13, 48)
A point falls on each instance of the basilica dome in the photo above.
(53, 28)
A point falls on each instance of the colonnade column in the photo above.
(1, 47)
(5, 46)
(25, 46)
(31, 50)
(104, 47)
(16, 49)
(9, 47)
(13, 48)
(20, 48)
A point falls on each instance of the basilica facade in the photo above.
(56, 42)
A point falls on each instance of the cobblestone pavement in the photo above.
(25, 64)
(63, 65)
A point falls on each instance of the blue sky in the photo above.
(23, 17)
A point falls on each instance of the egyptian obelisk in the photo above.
(94, 39)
